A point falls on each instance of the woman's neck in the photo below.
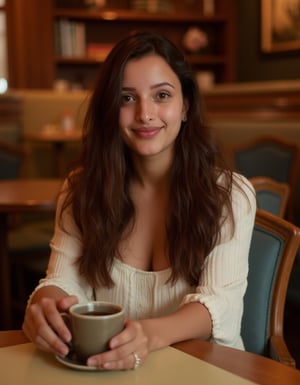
(152, 172)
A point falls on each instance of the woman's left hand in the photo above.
(128, 349)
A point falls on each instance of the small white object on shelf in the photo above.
(67, 120)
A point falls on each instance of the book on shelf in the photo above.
(151, 6)
(79, 43)
(70, 38)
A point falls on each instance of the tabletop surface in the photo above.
(28, 193)
(238, 365)
(166, 366)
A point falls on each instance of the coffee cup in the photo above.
(92, 325)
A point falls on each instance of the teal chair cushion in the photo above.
(264, 255)
(268, 201)
(269, 160)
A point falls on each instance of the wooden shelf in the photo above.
(199, 59)
(130, 15)
(32, 68)
(78, 60)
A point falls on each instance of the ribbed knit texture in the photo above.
(146, 294)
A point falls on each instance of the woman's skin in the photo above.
(150, 119)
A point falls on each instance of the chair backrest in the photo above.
(271, 195)
(272, 252)
(12, 158)
(272, 156)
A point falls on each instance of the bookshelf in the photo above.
(98, 29)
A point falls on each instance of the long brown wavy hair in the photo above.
(98, 192)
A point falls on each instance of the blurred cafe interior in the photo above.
(245, 56)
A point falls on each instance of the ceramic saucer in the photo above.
(74, 363)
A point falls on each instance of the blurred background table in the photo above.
(58, 138)
(19, 196)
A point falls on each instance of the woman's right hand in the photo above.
(44, 325)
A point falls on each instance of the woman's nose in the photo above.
(145, 111)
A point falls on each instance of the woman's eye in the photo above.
(163, 95)
(127, 98)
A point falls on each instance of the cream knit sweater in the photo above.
(146, 294)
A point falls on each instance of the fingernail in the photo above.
(113, 343)
(92, 362)
(67, 338)
(64, 351)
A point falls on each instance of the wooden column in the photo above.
(30, 43)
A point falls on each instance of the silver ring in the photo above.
(137, 361)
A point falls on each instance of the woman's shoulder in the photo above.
(241, 190)
(242, 184)
(243, 194)
(238, 181)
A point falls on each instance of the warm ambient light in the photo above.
(109, 15)
(3, 85)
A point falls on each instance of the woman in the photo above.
(148, 220)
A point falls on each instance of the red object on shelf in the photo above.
(99, 50)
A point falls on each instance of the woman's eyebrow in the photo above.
(162, 85)
(152, 87)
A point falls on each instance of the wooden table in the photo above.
(260, 370)
(18, 196)
(58, 138)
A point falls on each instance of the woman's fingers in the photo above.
(128, 349)
(133, 332)
(130, 361)
(45, 327)
(65, 303)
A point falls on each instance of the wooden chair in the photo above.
(272, 156)
(271, 195)
(273, 248)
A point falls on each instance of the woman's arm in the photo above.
(48, 292)
(188, 322)
(223, 281)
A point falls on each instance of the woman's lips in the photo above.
(146, 133)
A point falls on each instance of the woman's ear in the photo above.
(185, 109)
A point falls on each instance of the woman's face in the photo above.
(152, 106)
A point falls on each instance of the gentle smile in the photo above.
(146, 133)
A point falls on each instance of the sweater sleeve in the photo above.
(223, 280)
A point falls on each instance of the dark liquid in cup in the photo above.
(97, 313)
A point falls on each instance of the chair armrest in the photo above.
(279, 351)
